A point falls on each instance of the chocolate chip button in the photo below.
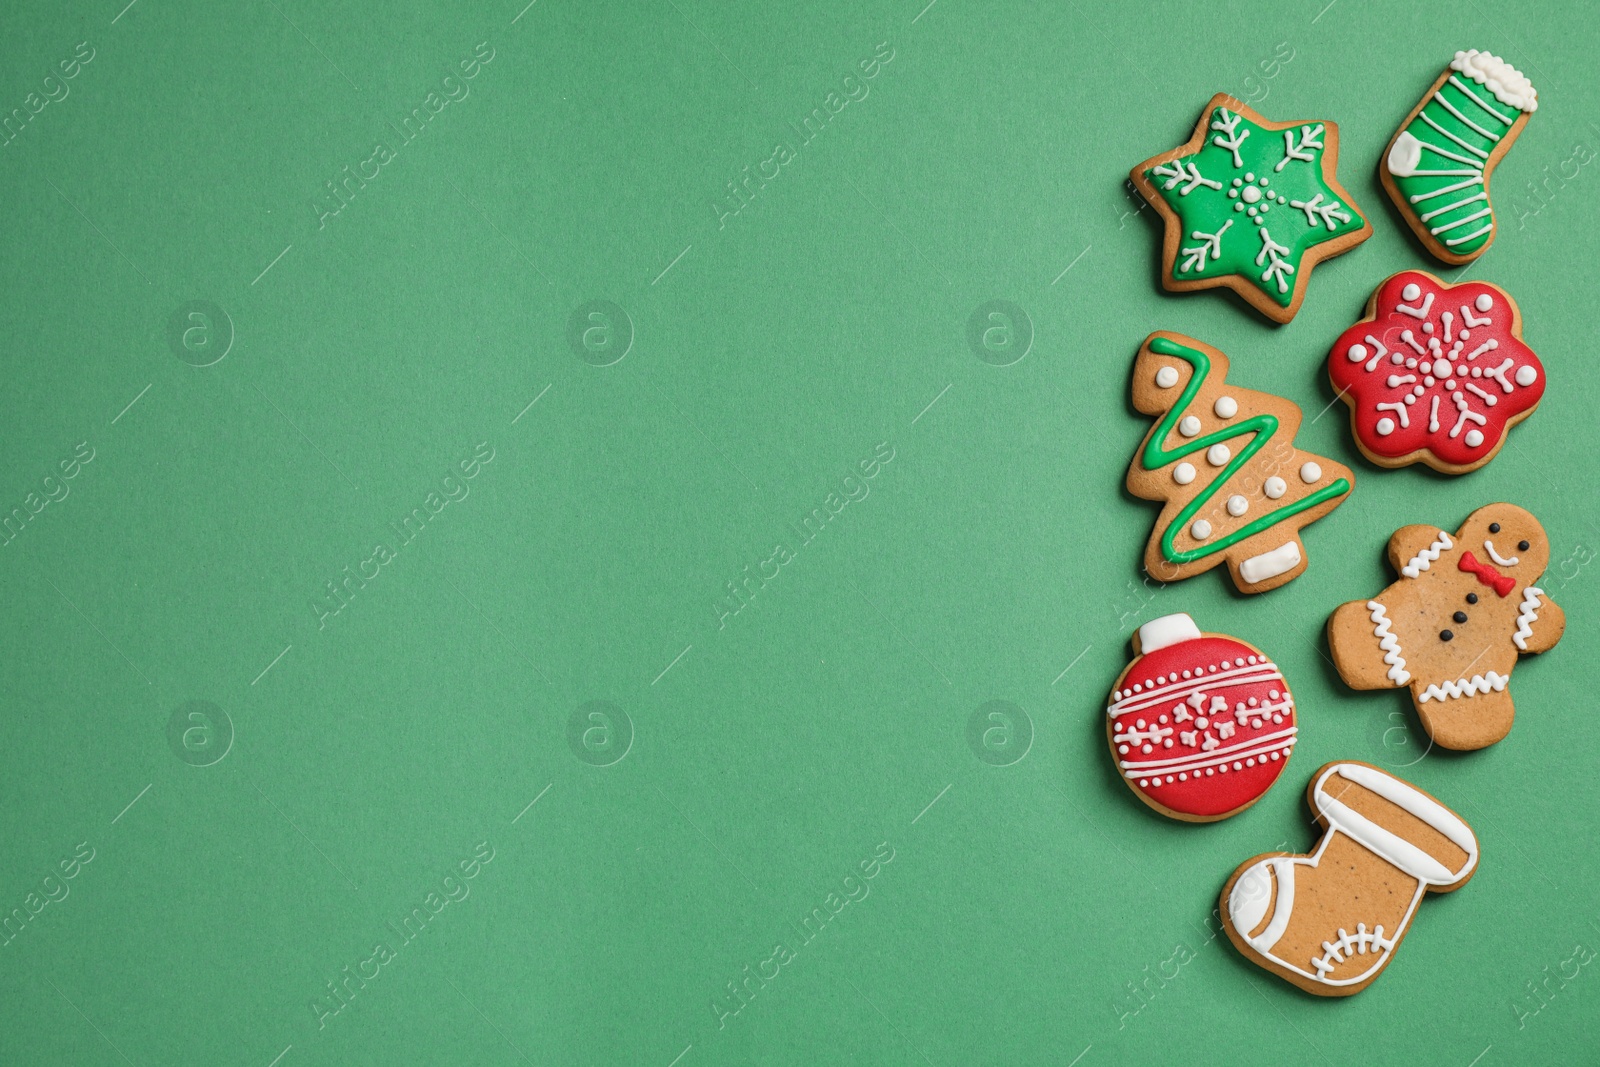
(1494, 527)
(1472, 598)
(1460, 616)
(1445, 635)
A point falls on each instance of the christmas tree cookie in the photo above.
(1223, 462)
(1437, 167)
(1436, 373)
(1331, 921)
(1252, 205)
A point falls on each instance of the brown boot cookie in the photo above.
(1330, 922)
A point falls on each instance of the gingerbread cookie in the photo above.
(1252, 205)
(1437, 166)
(1200, 725)
(1223, 460)
(1436, 373)
(1452, 627)
(1331, 921)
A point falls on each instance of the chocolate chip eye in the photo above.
(1494, 527)
(1523, 546)
(1472, 598)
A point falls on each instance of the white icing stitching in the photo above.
(1527, 615)
(1389, 643)
(1421, 561)
(1348, 945)
(1465, 687)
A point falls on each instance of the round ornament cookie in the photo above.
(1200, 725)
(1436, 373)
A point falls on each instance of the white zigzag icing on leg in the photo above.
(1466, 687)
(1389, 643)
(1527, 615)
(1421, 561)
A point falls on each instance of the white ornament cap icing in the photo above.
(1167, 630)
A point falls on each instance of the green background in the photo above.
(995, 558)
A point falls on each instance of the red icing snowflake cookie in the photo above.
(1436, 373)
(1200, 725)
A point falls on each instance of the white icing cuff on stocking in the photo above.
(1167, 630)
(1385, 843)
(1508, 84)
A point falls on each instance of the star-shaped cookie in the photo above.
(1252, 205)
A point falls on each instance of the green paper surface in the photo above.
(543, 546)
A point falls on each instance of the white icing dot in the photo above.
(1201, 529)
(1210, 771)
(1274, 757)
(1272, 694)
(1122, 749)
(1474, 438)
(1275, 487)
(1186, 674)
(1397, 359)
(1183, 777)
(1183, 473)
(1410, 292)
(1147, 750)
(1441, 368)
(1169, 779)
(1168, 742)
(1250, 762)
(1249, 177)
(1252, 699)
(1525, 376)
(1237, 505)
(1189, 426)
(1144, 783)
(1251, 211)
(1227, 407)
(1310, 473)
(1484, 302)
(1217, 455)
(1385, 427)
(1250, 195)
(1238, 766)
(1357, 353)
(1227, 663)
(1427, 327)
(1167, 377)
(1464, 334)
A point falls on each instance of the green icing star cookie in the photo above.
(1252, 205)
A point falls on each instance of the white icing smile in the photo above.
(1488, 546)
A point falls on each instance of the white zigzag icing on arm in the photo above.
(1527, 615)
(1422, 560)
(1389, 643)
(1466, 687)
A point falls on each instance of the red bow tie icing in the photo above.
(1436, 373)
(1486, 574)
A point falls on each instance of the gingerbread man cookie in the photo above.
(1223, 460)
(1200, 725)
(1331, 921)
(1452, 627)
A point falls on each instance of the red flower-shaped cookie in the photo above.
(1436, 373)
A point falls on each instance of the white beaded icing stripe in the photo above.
(1234, 672)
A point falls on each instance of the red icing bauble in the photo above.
(1438, 369)
(1202, 727)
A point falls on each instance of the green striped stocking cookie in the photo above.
(1437, 167)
